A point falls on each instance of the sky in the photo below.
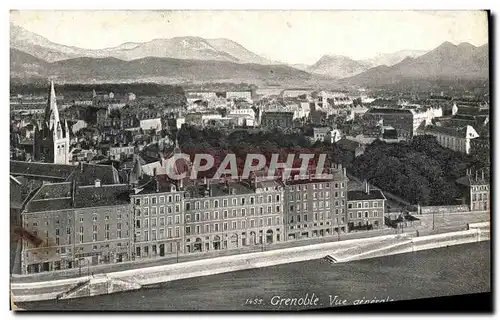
(300, 37)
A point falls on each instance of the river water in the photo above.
(453, 270)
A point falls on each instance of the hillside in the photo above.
(161, 70)
(191, 48)
(446, 62)
(337, 66)
(390, 59)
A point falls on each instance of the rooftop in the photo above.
(361, 195)
(451, 131)
(58, 196)
(42, 170)
(389, 110)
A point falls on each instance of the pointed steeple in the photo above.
(51, 111)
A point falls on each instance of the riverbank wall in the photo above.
(337, 252)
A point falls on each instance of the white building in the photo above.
(239, 94)
(242, 117)
(151, 124)
(457, 139)
(319, 134)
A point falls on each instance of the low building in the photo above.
(365, 208)
(239, 95)
(275, 120)
(151, 124)
(319, 134)
(457, 139)
(476, 188)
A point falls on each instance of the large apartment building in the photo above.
(315, 207)
(68, 226)
(158, 219)
(229, 215)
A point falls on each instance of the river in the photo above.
(453, 270)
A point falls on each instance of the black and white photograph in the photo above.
(249, 160)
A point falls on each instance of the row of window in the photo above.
(366, 214)
(373, 204)
(156, 236)
(107, 237)
(94, 218)
(234, 213)
(161, 221)
(326, 185)
(305, 225)
(234, 201)
(479, 188)
(316, 195)
(154, 210)
(233, 225)
(480, 196)
(316, 206)
(161, 199)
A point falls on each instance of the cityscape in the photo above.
(174, 168)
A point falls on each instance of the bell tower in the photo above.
(58, 130)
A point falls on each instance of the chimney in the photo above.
(97, 183)
(345, 172)
(367, 186)
(482, 174)
(181, 184)
(73, 190)
(157, 184)
(476, 175)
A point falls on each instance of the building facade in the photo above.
(158, 221)
(274, 120)
(231, 215)
(457, 139)
(67, 226)
(365, 209)
(316, 208)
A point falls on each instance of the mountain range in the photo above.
(194, 59)
(446, 62)
(190, 48)
(342, 66)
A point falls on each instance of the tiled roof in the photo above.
(388, 110)
(456, 132)
(219, 189)
(361, 195)
(43, 170)
(105, 195)
(87, 173)
(48, 205)
(57, 196)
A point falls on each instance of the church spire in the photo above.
(51, 112)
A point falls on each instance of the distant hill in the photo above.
(446, 62)
(161, 70)
(390, 59)
(191, 48)
(337, 66)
